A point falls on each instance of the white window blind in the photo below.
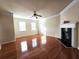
(33, 26)
(22, 26)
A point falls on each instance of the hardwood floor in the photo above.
(8, 51)
(50, 48)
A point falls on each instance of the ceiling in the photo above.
(25, 8)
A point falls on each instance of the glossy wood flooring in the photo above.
(37, 47)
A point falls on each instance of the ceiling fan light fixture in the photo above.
(36, 15)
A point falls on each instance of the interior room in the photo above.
(39, 29)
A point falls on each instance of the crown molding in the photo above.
(65, 9)
(52, 16)
(69, 6)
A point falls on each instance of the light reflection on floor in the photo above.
(43, 39)
(34, 42)
(24, 46)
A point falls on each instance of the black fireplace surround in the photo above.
(66, 36)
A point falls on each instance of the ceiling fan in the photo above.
(36, 15)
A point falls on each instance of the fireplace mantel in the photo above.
(68, 25)
(74, 35)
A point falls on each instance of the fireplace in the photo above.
(68, 35)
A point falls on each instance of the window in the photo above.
(42, 26)
(33, 26)
(22, 26)
(34, 42)
(24, 46)
(43, 40)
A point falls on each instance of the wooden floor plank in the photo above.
(53, 49)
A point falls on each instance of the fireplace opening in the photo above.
(66, 36)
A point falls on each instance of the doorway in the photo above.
(78, 33)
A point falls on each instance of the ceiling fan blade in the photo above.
(39, 15)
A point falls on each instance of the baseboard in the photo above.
(52, 36)
(17, 37)
(8, 42)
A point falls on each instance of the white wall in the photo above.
(53, 26)
(28, 28)
(71, 12)
(6, 27)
